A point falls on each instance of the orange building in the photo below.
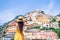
(42, 18)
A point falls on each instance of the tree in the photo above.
(57, 30)
(52, 28)
(36, 27)
(59, 23)
(42, 12)
(53, 20)
(46, 28)
(0, 31)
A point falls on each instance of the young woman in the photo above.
(19, 32)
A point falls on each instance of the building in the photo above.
(54, 24)
(12, 27)
(42, 18)
(58, 19)
(47, 35)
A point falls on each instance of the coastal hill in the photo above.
(33, 18)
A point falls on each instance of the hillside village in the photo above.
(38, 26)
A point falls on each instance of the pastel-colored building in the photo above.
(41, 35)
(42, 18)
(58, 19)
(12, 27)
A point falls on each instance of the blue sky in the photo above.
(9, 9)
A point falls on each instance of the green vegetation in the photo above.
(53, 20)
(3, 27)
(57, 30)
(46, 28)
(59, 23)
(36, 27)
(42, 12)
(0, 30)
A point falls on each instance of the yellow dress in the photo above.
(18, 35)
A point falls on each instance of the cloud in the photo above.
(50, 6)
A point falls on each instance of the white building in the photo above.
(54, 24)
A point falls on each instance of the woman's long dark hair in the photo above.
(21, 24)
